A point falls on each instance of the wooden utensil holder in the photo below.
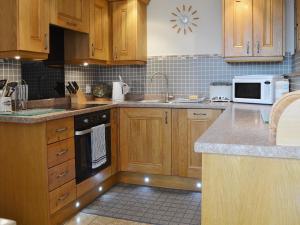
(79, 98)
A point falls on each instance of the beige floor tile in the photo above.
(110, 221)
(81, 219)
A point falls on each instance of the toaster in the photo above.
(220, 92)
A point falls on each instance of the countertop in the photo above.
(241, 131)
(126, 104)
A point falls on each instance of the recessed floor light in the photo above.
(199, 185)
(146, 179)
(100, 189)
(77, 204)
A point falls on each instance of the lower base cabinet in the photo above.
(161, 141)
(187, 126)
(145, 140)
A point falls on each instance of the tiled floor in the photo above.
(148, 205)
(88, 219)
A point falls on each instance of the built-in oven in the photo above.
(83, 143)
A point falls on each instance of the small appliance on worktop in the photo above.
(220, 92)
(260, 89)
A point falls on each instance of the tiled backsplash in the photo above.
(295, 81)
(10, 69)
(188, 74)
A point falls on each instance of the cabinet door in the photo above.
(268, 27)
(99, 29)
(145, 141)
(71, 14)
(34, 25)
(237, 28)
(187, 127)
(124, 17)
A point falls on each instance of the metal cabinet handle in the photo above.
(166, 118)
(63, 197)
(258, 47)
(248, 47)
(116, 53)
(46, 40)
(63, 174)
(62, 152)
(199, 114)
(60, 130)
(93, 50)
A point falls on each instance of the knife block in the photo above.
(79, 98)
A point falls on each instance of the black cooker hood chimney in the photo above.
(56, 56)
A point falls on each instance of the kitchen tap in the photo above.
(154, 75)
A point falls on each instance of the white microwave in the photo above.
(260, 89)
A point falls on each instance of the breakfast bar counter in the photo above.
(246, 178)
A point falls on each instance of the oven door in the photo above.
(83, 154)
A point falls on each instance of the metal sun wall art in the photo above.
(184, 19)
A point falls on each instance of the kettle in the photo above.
(120, 89)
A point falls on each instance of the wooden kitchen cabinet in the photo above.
(129, 31)
(90, 48)
(187, 126)
(253, 30)
(145, 140)
(70, 14)
(24, 29)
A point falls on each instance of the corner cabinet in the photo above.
(145, 140)
(187, 126)
(129, 31)
(24, 29)
(253, 30)
(70, 14)
(90, 48)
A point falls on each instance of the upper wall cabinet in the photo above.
(253, 30)
(24, 29)
(129, 30)
(93, 47)
(71, 14)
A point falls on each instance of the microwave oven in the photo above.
(260, 89)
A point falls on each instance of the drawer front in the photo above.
(199, 114)
(58, 130)
(60, 152)
(61, 174)
(62, 196)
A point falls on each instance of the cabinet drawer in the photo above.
(199, 114)
(61, 174)
(60, 152)
(58, 130)
(62, 196)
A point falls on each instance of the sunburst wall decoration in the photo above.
(184, 19)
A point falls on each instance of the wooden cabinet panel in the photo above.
(129, 29)
(114, 121)
(71, 14)
(268, 27)
(61, 152)
(62, 196)
(238, 28)
(145, 140)
(61, 174)
(187, 127)
(99, 29)
(58, 130)
(24, 29)
(34, 25)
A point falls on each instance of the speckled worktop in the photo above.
(133, 104)
(241, 131)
